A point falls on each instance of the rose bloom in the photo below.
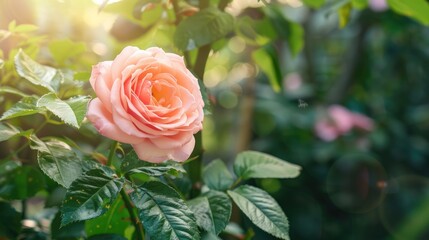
(149, 99)
(341, 121)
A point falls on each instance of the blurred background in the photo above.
(345, 99)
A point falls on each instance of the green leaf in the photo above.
(206, 26)
(10, 221)
(116, 220)
(65, 49)
(314, 3)
(207, 105)
(90, 196)
(216, 176)
(24, 28)
(262, 210)
(295, 39)
(26, 106)
(158, 171)
(256, 32)
(344, 14)
(212, 211)
(417, 9)
(266, 58)
(12, 90)
(163, 213)
(21, 183)
(251, 164)
(71, 111)
(7, 132)
(38, 74)
(60, 163)
(72, 231)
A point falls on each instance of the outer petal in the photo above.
(149, 152)
(101, 81)
(102, 120)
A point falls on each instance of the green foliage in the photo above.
(115, 221)
(19, 182)
(7, 132)
(37, 74)
(64, 49)
(71, 111)
(344, 14)
(417, 9)
(216, 176)
(90, 196)
(205, 27)
(163, 213)
(26, 106)
(58, 161)
(261, 209)
(266, 58)
(10, 221)
(251, 164)
(314, 3)
(72, 231)
(212, 211)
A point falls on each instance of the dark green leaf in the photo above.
(210, 236)
(216, 176)
(267, 59)
(163, 213)
(71, 111)
(7, 132)
(116, 220)
(157, 171)
(131, 161)
(251, 164)
(206, 26)
(212, 211)
(21, 182)
(60, 163)
(40, 75)
(204, 94)
(107, 237)
(26, 106)
(417, 9)
(10, 221)
(262, 210)
(90, 196)
(72, 231)
(256, 32)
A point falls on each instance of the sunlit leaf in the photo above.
(267, 59)
(24, 28)
(344, 14)
(26, 106)
(163, 213)
(251, 164)
(90, 196)
(7, 132)
(65, 49)
(417, 9)
(11, 90)
(314, 3)
(212, 211)
(262, 210)
(216, 176)
(60, 163)
(38, 74)
(71, 111)
(204, 27)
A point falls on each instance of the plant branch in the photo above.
(111, 153)
(134, 218)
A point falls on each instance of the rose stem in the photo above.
(131, 210)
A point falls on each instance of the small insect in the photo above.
(302, 104)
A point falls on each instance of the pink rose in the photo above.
(149, 99)
(340, 121)
(378, 5)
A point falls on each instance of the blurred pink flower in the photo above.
(340, 121)
(378, 5)
(292, 81)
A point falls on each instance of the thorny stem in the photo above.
(127, 201)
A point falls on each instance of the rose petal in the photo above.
(103, 122)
